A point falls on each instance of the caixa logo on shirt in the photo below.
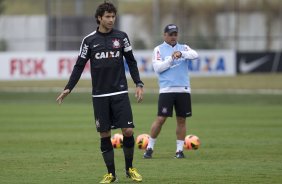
(109, 54)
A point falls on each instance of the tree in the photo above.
(1, 6)
(3, 45)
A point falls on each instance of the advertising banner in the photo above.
(58, 65)
(213, 63)
(257, 62)
(38, 65)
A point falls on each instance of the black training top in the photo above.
(106, 52)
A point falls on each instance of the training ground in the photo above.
(238, 120)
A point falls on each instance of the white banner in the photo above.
(214, 63)
(58, 65)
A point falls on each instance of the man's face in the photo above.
(107, 21)
(171, 38)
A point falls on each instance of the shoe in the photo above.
(179, 154)
(109, 178)
(148, 153)
(133, 174)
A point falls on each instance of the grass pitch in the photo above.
(42, 142)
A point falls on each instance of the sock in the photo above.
(151, 143)
(128, 150)
(179, 145)
(108, 154)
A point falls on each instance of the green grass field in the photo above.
(42, 142)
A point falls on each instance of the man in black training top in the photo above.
(105, 48)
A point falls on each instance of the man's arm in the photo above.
(77, 71)
(189, 53)
(134, 72)
(133, 69)
(160, 65)
(131, 62)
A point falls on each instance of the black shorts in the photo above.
(112, 112)
(180, 101)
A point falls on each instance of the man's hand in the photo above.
(62, 96)
(139, 94)
(176, 55)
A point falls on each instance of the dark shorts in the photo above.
(112, 112)
(180, 101)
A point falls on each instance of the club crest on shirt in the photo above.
(116, 43)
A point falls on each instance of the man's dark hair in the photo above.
(104, 7)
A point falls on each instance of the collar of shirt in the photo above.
(168, 45)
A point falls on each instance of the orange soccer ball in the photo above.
(192, 142)
(142, 141)
(117, 140)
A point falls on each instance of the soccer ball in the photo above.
(192, 142)
(142, 141)
(117, 140)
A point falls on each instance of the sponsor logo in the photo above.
(245, 67)
(175, 65)
(208, 64)
(172, 27)
(158, 55)
(130, 122)
(126, 42)
(27, 67)
(84, 51)
(103, 55)
(164, 110)
(96, 45)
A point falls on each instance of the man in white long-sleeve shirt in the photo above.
(170, 62)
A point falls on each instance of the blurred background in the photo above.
(39, 39)
(48, 25)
